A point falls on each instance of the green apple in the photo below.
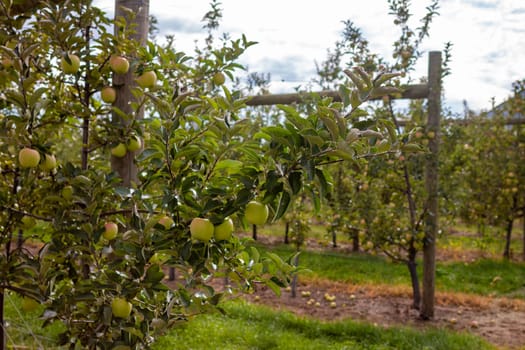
(224, 230)
(108, 94)
(70, 63)
(29, 304)
(134, 143)
(166, 221)
(256, 213)
(67, 192)
(119, 64)
(121, 307)
(28, 222)
(28, 157)
(147, 79)
(158, 258)
(49, 163)
(219, 78)
(119, 150)
(110, 230)
(201, 229)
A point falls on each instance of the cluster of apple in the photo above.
(30, 158)
(70, 64)
(202, 229)
(133, 144)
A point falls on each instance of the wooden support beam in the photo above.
(431, 184)
(416, 91)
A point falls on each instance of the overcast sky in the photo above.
(488, 38)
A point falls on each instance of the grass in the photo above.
(484, 277)
(25, 328)
(246, 326)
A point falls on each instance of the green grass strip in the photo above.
(246, 326)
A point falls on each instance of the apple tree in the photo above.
(104, 242)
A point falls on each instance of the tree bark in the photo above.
(295, 263)
(508, 237)
(286, 233)
(416, 292)
(523, 228)
(355, 240)
(123, 83)
(431, 184)
(254, 232)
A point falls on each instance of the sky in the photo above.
(488, 38)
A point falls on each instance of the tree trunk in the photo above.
(172, 274)
(508, 237)
(295, 263)
(523, 223)
(355, 240)
(254, 232)
(416, 292)
(286, 233)
(431, 184)
(3, 336)
(334, 238)
(123, 83)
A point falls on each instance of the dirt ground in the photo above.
(501, 321)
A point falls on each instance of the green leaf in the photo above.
(229, 164)
(295, 181)
(284, 203)
(274, 287)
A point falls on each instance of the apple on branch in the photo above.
(256, 213)
(166, 221)
(224, 230)
(108, 94)
(120, 307)
(28, 158)
(119, 64)
(134, 143)
(147, 79)
(49, 163)
(201, 229)
(119, 150)
(219, 78)
(70, 63)
(110, 230)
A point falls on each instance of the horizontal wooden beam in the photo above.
(416, 91)
(507, 121)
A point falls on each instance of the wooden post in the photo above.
(125, 166)
(431, 182)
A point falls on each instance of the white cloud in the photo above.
(487, 37)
